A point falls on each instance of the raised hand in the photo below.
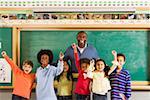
(115, 62)
(61, 56)
(74, 46)
(3, 53)
(92, 62)
(91, 67)
(114, 53)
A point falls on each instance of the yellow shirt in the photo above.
(64, 86)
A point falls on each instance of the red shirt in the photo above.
(82, 85)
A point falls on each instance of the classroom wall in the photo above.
(136, 95)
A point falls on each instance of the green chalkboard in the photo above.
(133, 43)
(6, 44)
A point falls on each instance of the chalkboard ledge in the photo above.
(141, 88)
(140, 85)
(6, 87)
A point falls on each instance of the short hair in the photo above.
(122, 55)
(84, 60)
(28, 62)
(46, 52)
(81, 32)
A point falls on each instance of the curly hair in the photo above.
(45, 52)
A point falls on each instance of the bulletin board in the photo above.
(5, 70)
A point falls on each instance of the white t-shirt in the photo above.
(82, 49)
(100, 84)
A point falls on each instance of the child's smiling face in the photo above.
(100, 66)
(27, 68)
(44, 60)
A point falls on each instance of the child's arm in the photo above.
(90, 86)
(90, 69)
(115, 63)
(77, 61)
(60, 64)
(114, 53)
(14, 67)
(128, 87)
(55, 84)
(71, 85)
(34, 86)
(122, 96)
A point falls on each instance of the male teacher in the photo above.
(85, 50)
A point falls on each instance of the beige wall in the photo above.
(136, 95)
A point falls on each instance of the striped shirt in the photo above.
(120, 83)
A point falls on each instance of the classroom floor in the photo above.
(136, 95)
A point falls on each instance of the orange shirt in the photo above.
(23, 82)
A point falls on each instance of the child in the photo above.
(120, 81)
(63, 83)
(82, 86)
(101, 84)
(45, 75)
(23, 79)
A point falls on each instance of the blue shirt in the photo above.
(120, 83)
(89, 52)
(45, 77)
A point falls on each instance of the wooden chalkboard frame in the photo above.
(136, 85)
